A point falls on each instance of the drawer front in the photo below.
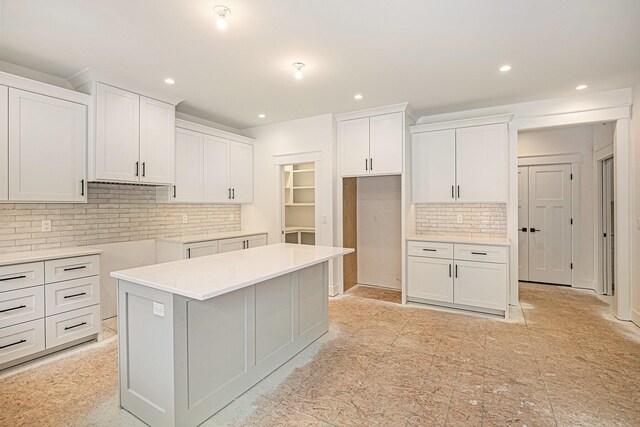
(497, 254)
(72, 294)
(58, 270)
(430, 249)
(21, 340)
(22, 305)
(21, 276)
(72, 325)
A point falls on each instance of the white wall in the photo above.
(581, 140)
(635, 205)
(379, 202)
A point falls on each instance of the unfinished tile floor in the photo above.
(567, 362)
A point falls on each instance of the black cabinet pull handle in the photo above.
(453, 194)
(82, 187)
(523, 229)
(429, 250)
(458, 191)
(75, 268)
(449, 270)
(370, 163)
(533, 230)
(188, 252)
(229, 193)
(74, 326)
(75, 295)
(13, 278)
(233, 193)
(174, 191)
(12, 344)
(456, 271)
(144, 169)
(478, 253)
(366, 164)
(137, 168)
(13, 308)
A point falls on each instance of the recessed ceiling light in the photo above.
(580, 87)
(358, 97)
(261, 116)
(222, 13)
(505, 68)
(169, 81)
(298, 74)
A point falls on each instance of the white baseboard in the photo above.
(584, 284)
(635, 317)
(335, 289)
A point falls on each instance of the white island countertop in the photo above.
(209, 276)
(195, 238)
(471, 240)
(46, 254)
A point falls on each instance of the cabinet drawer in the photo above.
(430, 249)
(21, 305)
(72, 294)
(72, 325)
(497, 254)
(58, 270)
(21, 340)
(21, 276)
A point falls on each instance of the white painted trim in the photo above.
(635, 317)
(196, 127)
(463, 123)
(550, 159)
(388, 109)
(88, 75)
(603, 153)
(335, 289)
(582, 117)
(295, 158)
(35, 86)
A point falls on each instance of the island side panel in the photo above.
(313, 304)
(145, 342)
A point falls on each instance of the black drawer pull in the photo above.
(13, 278)
(478, 253)
(523, 229)
(429, 250)
(12, 344)
(13, 308)
(75, 295)
(75, 268)
(75, 326)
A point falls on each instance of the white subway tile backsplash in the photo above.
(113, 213)
(478, 219)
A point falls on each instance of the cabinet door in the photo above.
(353, 140)
(230, 245)
(4, 143)
(47, 142)
(433, 166)
(481, 164)
(241, 172)
(480, 284)
(157, 141)
(117, 134)
(255, 241)
(385, 144)
(430, 278)
(189, 167)
(216, 170)
(195, 250)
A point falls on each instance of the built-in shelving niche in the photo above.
(299, 203)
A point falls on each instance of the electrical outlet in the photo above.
(158, 309)
(459, 218)
(375, 218)
(46, 225)
(185, 219)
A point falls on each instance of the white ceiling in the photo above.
(438, 55)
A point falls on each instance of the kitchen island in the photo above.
(197, 333)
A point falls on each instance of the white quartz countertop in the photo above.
(211, 236)
(493, 241)
(45, 254)
(210, 276)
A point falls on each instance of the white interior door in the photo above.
(608, 215)
(550, 224)
(385, 144)
(523, 223)
(353, 139)
(433, 159)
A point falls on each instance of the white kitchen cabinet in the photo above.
(216, 172)
(480, 284)
(466, 165)
(230, 245)
(198, 249)
(4, 142)
(371, 145)
(157, 141)
(117, 143)
(185, 247)
(189, 167)
(241, 172)
(256, 240)
(430, 278)
(433, 163)
(47, 143)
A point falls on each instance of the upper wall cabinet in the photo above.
(43, 142)
(371, 141)
(466, 165)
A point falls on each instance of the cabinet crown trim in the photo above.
(41, 88)
(378, 111)
(196, 127)
(456, 124)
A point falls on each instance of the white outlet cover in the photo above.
(46, 225)
(158, 309)
(459, 218)
(185, 219)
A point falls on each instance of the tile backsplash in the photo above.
(113, 213)
(478, 219)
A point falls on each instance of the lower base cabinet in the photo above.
(174, 249)
(480, 284)
(431, 278)
(21, 340)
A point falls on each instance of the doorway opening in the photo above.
(607, 226)
(299, 204)
(372, 225)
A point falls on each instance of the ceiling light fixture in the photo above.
(222, 13)
(505, 68)
(169, 81)
(358, 97)
(298, 74)
(580, 87)
(261, 116)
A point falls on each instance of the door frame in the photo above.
(620, 115)
(598, 159)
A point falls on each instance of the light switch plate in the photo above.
(46, 225)
(158, 309)
(459, 218)
(185, 219)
